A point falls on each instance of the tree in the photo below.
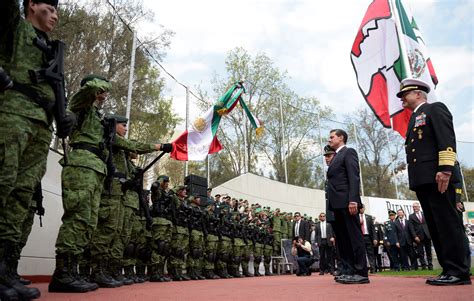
(98, 42)
(381, 155)
(468, 173)
(265, 88)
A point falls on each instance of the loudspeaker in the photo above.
(196, 185)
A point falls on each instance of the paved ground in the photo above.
(275, 288)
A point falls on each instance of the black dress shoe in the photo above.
(442, 276)
(450, 280)
(353, 279)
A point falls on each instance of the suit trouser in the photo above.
(447, 233)
(424, 247)
(350, 243)
(407, 251)
(326, 258)
(394, 256)
(369, 248)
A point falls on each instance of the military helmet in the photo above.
(90, 77)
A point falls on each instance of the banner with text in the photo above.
(379, 207)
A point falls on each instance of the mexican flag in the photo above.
(200, 138)
(387, 49)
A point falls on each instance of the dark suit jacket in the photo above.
(403, 234)
(417, 228)
(343, 179)
(430, 144)
(329, 233)
(390, 233)
(305, 230)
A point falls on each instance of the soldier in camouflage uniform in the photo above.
(238, 245)
(164, 213)
(180, 238)
(211, 243)
(277, 232)
(259, 234)
(25, 127)
(268, 243)
(247, 251)
(115, 211)
(197, 235)
(224, 248)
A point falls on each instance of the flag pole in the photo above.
(463, 183)
(130, 81)
(391, 164)
(360, 166)
(401, 38)
(186, 165)
(282, 128)
(321, 145)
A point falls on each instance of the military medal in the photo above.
(420, 133)
(420, 120)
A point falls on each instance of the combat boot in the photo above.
(209, 274)
(115, 268)
(140, 272)
(256, 268)
(192, 273)
(101, 277)
(85, 272)
(185, 276)
(173, 272)
(73, 268)
(153, 273)
(267, 271)
(130, 273)
(63, 280)
(8, 294)
(8, 259)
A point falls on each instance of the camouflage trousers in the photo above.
(161, 232)
(137, 239)
(24, 146)
(224, 251)
(237, 252)
(81, 191)
(267, 255)
(246, 253)
(123, 234)
(196, 250)
(210, 252)
(109, 224)
(179, 248)
(277, 243)
(257, 255)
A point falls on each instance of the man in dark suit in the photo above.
(368, 231)
(391, 241)
(343, 191)
(421, 236)
(431, 155)
(405, 243)
(378, 246)
(301, 228)
(325, 239)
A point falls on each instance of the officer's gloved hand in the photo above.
(67, 124)
(166, 147)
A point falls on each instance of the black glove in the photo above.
(166, 147)
(5, 80)
(68, 123)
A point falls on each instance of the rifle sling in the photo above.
(95, 150)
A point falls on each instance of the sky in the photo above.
(311, 40)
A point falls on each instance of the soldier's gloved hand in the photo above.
(68, 123)
(166, 147)
(40, 211)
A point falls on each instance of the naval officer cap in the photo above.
(411, 84)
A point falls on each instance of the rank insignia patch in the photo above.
(420, 120)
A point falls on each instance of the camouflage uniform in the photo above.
(224, 248)
(25, 136)
(211, 243)
(248, 247)
(276, 222)
(163, 211)
(194, 261)
(115, 211)
(259, 234)
(238, 246)
(180, 241)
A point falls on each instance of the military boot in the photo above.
(140, 272)
(73, 267)
(130, 273)
(185, 276)
(174, 274)
(64, 280)
(161, 268)
(267, 270)
(115, 268)
(101, 277)
(8, 259)
(192, 273)
(153, 273)
(7, 294)
(256, 268)
(209, 274)
(85, 272)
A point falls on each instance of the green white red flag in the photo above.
(200, 139)
(387, 49)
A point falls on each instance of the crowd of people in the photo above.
(111, 236)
